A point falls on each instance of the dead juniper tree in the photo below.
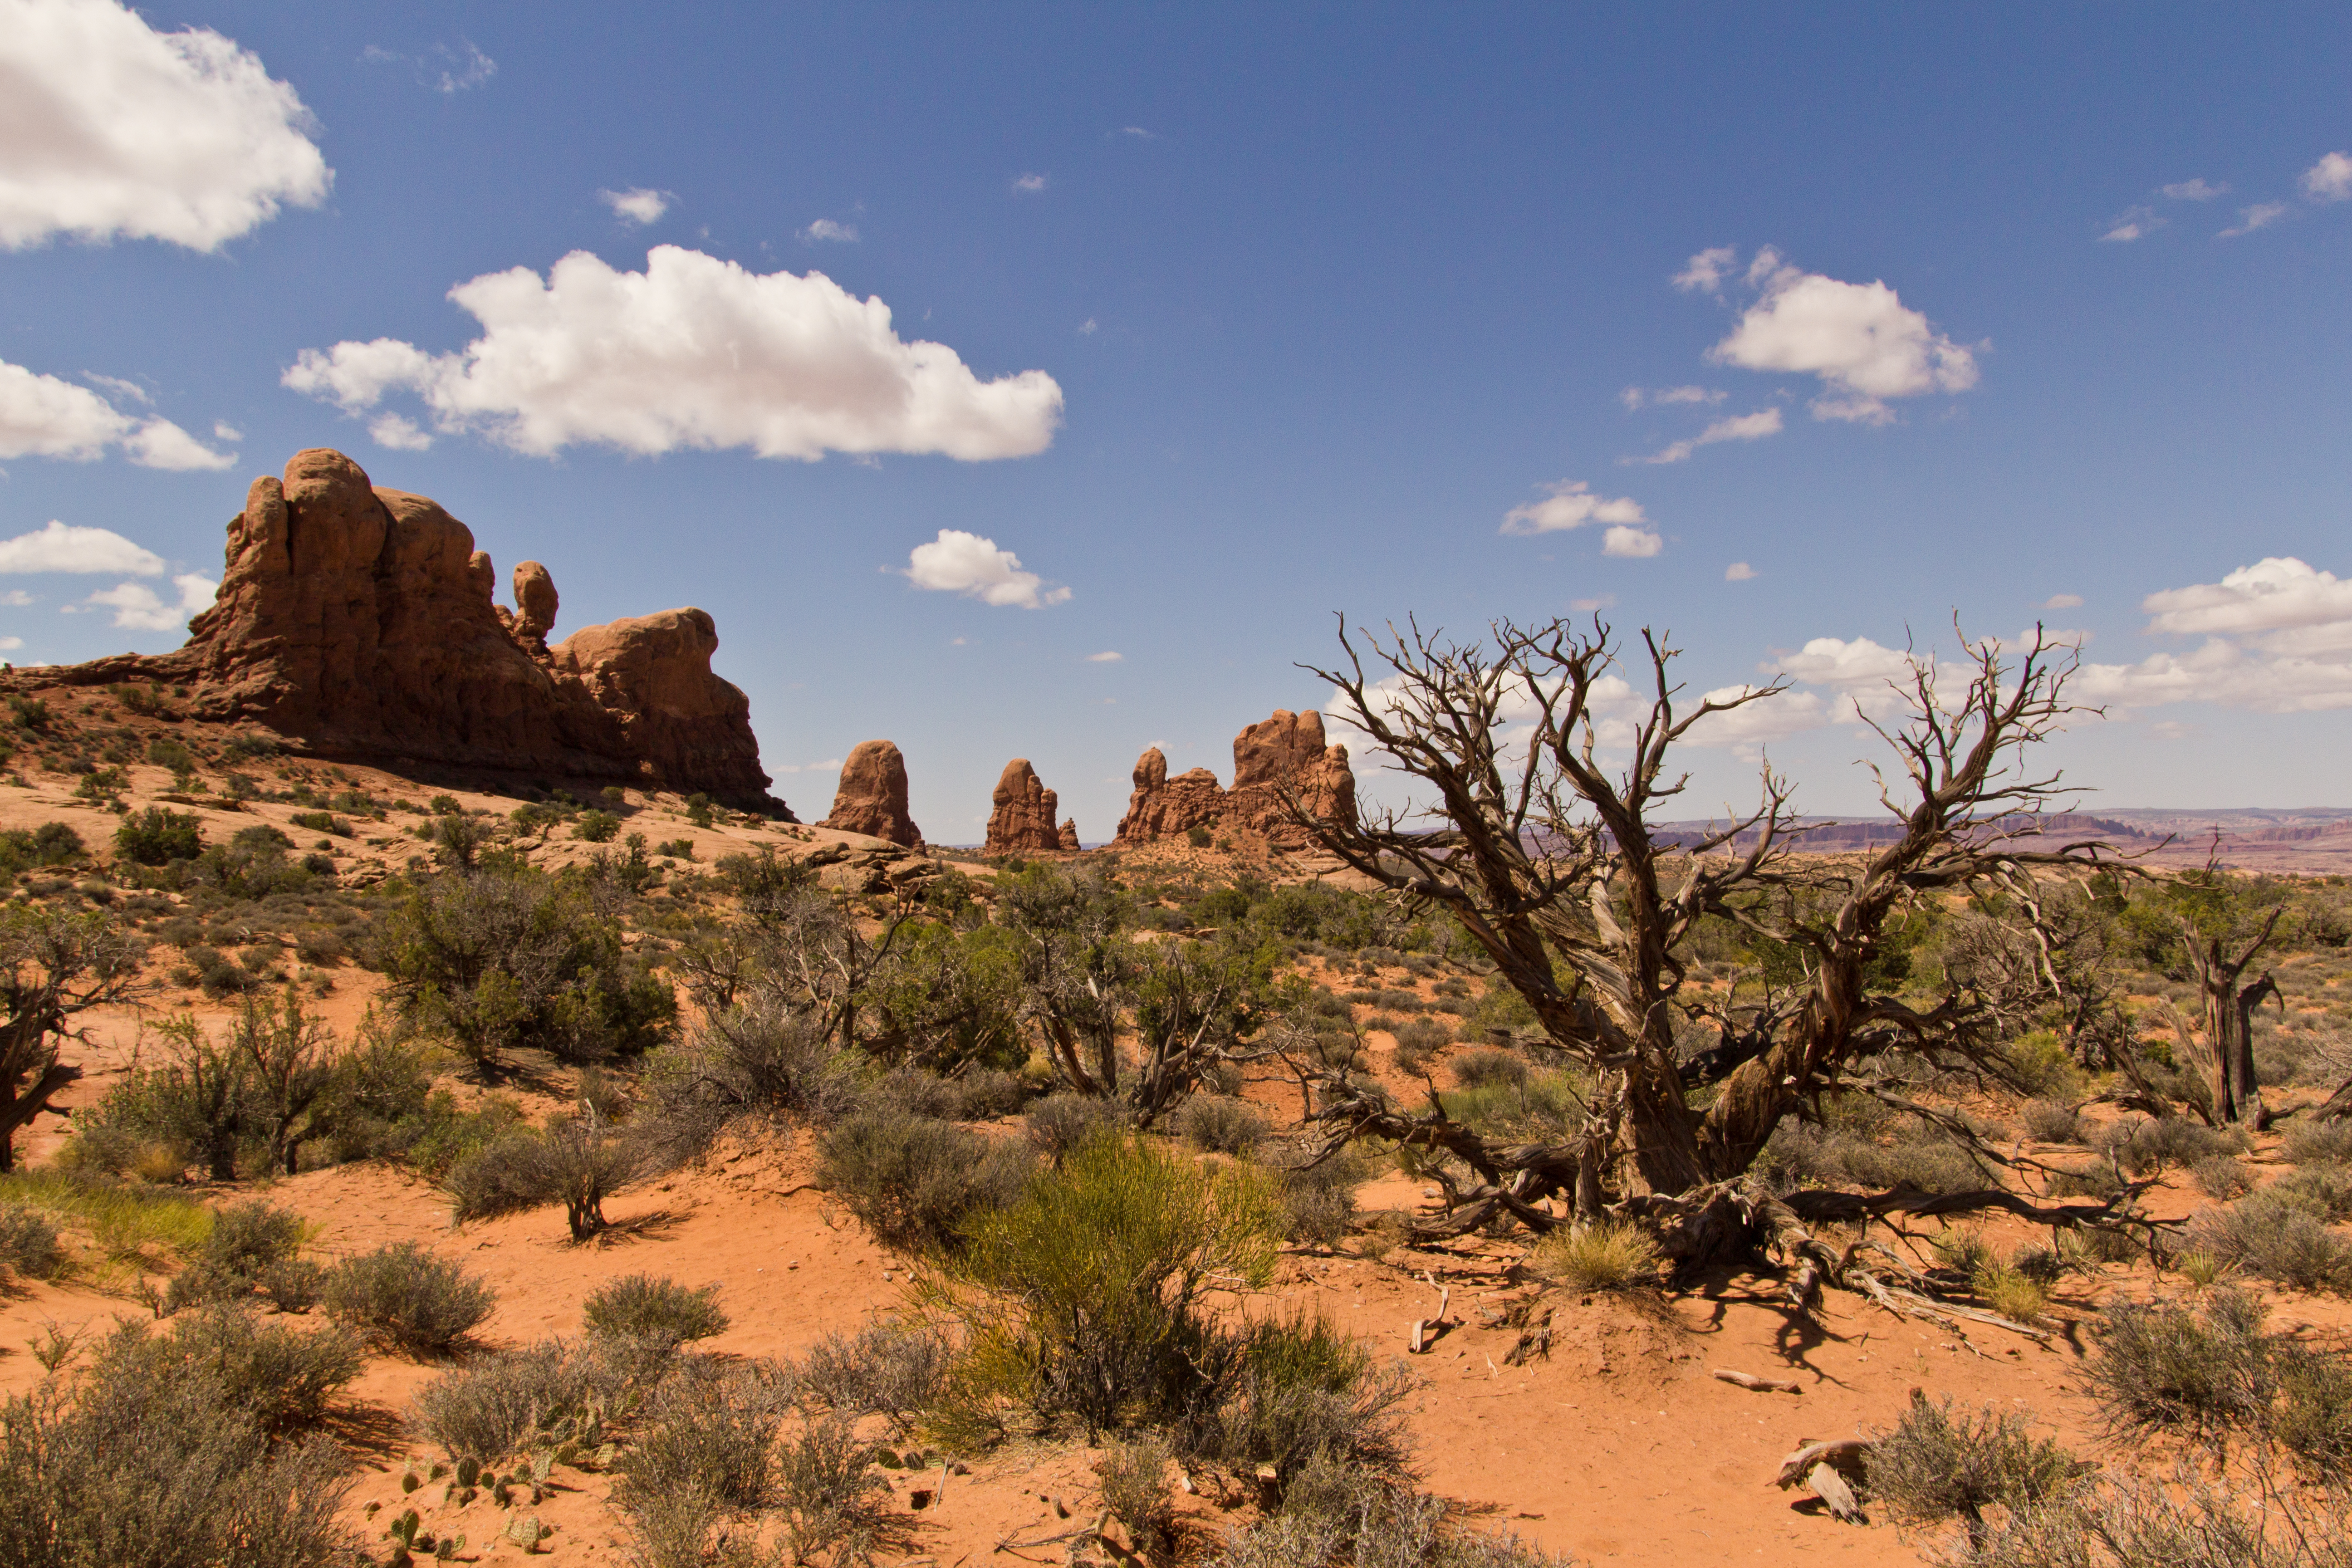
(53, 966)
(1550, 860)
(2230, 1010)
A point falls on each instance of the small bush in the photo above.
(2322, 1190)
(1609, 1256)
(1319, 1201)
(510, 1400)
(405, 1297)
(890, 1368)
(1417, 1040)
(578, 1162)
(2222, 1177)
(2012, 1293)
(1487, 1068)
(1289, 1391)
(28, 1243)
(252, 1248)
(2162, 1369)
(1220, 1126)
(651, 1313)
(916, 1183)
(282, 1377)
(2050, 1121)
(1060, 1123)
(2318, 1142)
(1935, 1466)
(833, 1499)
(2272, 1237)
(705, 1433)
(157, 837)
(321, 822)
(593, 826)
(1133, 1478)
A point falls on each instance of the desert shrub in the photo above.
(2322, 1190)
(595, 826)
(1220, 1126)
(321, 822)
(2318, 1143)
(2099, 1179)
(986, 1093)
(891, 1367)
(1334, 1514)
(252, 1247)
(152, 1464)
(2050, 1121)
(653, 1313)
(708, 1432)
(2040, 1064)
(2011, 1292)
(915, 1182)
(1611, 1254)
(156, 837)
(1317, 1202)
(578, 1162)
(1487, 1068)
(190, 1108)
(28, 1243)
(1418, 1039)
(2313, 1418)
(2272, 1237)
(2143, 1146)
(756, 1060)
(2222, 1177)
(1133, 1480)
(1085, 1297)
(1935, 1465)
(833, 1499)
(282, 1377)
(447, 1135)
(383, 1094)
(406, 1297)
(2164, 1369)
(1287, 1391)
(1060, 1123)
(511, 958)
(500, 1404)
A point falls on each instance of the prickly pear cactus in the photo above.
(527, 1533)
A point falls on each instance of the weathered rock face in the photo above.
(535, 602)
(1289, 749)
(1161, 808)
(871, 797)
(1022, 817)
(1070, 837)
(359, 620)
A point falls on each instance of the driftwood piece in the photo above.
(1831, 1487)
(1842, 1454)
(1760, 1384)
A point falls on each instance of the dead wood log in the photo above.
(1760, 1384)
(1847, 1454)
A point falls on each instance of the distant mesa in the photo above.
(1022, 820)
(359, 621)
(1287, 750)
(871, 797)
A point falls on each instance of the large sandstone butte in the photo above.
(871, 797)
(1284, 751)
(1022, 817)
(358, 621)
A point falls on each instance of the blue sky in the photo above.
(1252, 318)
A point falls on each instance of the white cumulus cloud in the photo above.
(966, 563)
(108, 128)
(1633, 544)
(2330, 179)
(1860, 339)
(1761, 721)
(691, 353)
(62, 547)
(2289, 605)
(398, 431)
(1570, 503)
(137, 606)
(43, 416)
(637, 205)
(1738, 428)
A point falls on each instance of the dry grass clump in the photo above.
(2222, 1177)
(1133, 1479)
(2275, 1236)
(1935, 1465)
(28, 1243)
(2318, 1142)
(252, 1249)
(1334, 1514)
(2050, 1121)
(1220, 1126)
(1613, 1255)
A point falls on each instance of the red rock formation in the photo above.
(1161, 808)
(1069, 837)
(1023, 820)
(872, 797)
(535, 603)
(359, 620)
(1289, 749)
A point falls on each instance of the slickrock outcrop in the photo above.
(1162, 807)
(1287, 748)
(871, 797)
(359, 620)
(1022, 817)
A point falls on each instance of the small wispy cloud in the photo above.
(443, 68)
(1739, 571)
(1030, 184)
(1737, 427)
(2134, 222)
(636, 206)
(2261, 214)
(2196, 190)
(824, 228)
(117, 385)
(1108, 656)
(1568, 504)
(2061, 601)
(1139, 134)
(1086, 328)
(1706, 271)
(1635, 397)
(2330, 179)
